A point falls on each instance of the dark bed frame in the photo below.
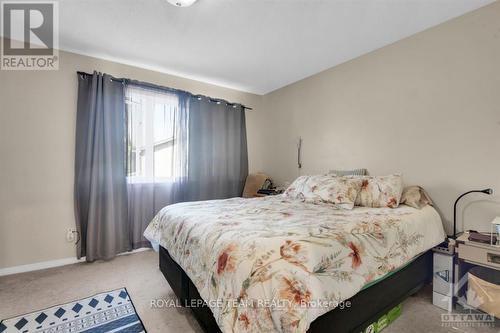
(367, 306)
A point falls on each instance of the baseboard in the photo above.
(52, 263)
(39, 265)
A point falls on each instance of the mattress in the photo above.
(274, 264)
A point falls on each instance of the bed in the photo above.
(276, 264)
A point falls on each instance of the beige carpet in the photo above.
(139, 273)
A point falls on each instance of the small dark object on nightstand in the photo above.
(475, 236)
(269, 192)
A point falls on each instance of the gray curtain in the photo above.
(100, 173)
(145, 201)
(209, 162)
(218, 158)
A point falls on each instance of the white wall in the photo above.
(427, 106)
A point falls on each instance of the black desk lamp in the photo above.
(488, 191)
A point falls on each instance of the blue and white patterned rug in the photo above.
(111, 311)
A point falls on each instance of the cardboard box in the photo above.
(442, 279)
(385, 320)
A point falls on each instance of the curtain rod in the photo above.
(154, 86)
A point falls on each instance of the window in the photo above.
(150, 122)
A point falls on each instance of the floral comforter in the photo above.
(275, 264)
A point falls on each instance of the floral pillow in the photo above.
(295, 188)
(339, 191)
(383, 191)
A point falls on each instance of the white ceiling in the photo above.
(251, 45)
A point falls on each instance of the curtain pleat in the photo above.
(218, 158)
(100, 176)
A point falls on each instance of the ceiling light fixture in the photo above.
(182, 3)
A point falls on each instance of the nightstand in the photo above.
(476, 253)
(472, 254)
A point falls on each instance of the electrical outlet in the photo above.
(71, 235)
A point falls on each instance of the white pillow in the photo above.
(353, 172)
